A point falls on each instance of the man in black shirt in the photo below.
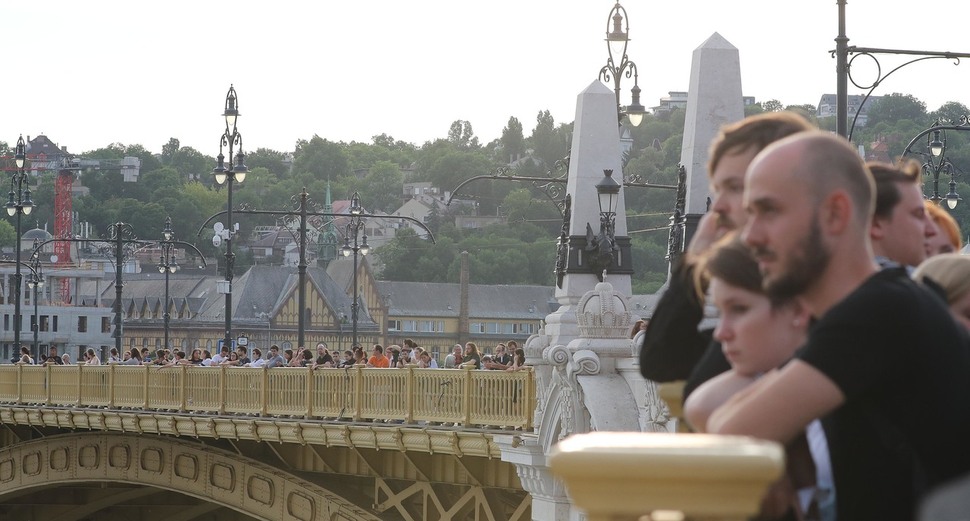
(672, 345)
(883, 349)
(53, 357)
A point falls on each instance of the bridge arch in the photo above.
(191, 468)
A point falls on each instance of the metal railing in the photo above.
(411, 395)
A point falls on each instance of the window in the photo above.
(476, 327)
(523, 328)
(82, 324)
(54, 323)
(431, 326)
(44, 323)
(6, 322)
(105, 324)
(409, 325)
(393, 325)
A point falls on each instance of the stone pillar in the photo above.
(549, 499)
(714, 99)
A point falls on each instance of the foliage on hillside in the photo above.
(177, 182)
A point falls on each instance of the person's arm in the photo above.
(711, 395)
(672, 345)
(711, 364)
(779, 405)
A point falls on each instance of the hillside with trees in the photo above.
(177, 182)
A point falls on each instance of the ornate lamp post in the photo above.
(353, 230)
(937, 163)
(234, 173)
(618, 65)
(19, 203)
(167, 265)
(934, 157)
(601, 249)
(35, 281)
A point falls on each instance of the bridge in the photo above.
(122, 443)
(117, 441)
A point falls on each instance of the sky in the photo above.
(88, 74)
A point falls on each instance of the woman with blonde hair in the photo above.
(949, 273)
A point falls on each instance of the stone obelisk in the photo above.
(714, 99)
(595, 148)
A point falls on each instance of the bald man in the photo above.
(882, 347)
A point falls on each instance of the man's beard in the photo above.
(803, 268)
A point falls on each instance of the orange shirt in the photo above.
(379, 361)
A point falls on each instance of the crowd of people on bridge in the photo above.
(505, 356)
(843, 322)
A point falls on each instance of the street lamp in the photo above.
(35, 281)
(19, 203)
(601, 249)
(234, 173)
(167, 266)
(617, 39)
(937, 163)
(354, 228)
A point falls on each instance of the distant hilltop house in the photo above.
(827, 107)
(676, 99)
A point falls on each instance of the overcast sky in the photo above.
(95, 72)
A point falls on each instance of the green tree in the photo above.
(896, 107)
(461, 135)
(319, 159)
(169, 150)
(950, 111)
(383, 186)
(772, 105)
(272, 160)
(8, 235)
(548, 144)
(512, 142)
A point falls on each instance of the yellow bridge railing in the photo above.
(465, 396)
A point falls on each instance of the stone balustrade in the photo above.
(615, 476)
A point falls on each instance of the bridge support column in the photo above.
(549, 500)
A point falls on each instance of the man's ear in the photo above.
(877, 231)
(836, 212)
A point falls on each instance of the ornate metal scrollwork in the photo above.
(675, 241)
(562, 244)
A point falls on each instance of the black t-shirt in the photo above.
(903, 365)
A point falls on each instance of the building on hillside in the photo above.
(281, 245)
(827, 106)
(677, 99)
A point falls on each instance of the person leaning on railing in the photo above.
(472, 356)
(134, 357)
(231, 361)
(91, 358)
(518, 360)
(25, 357)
